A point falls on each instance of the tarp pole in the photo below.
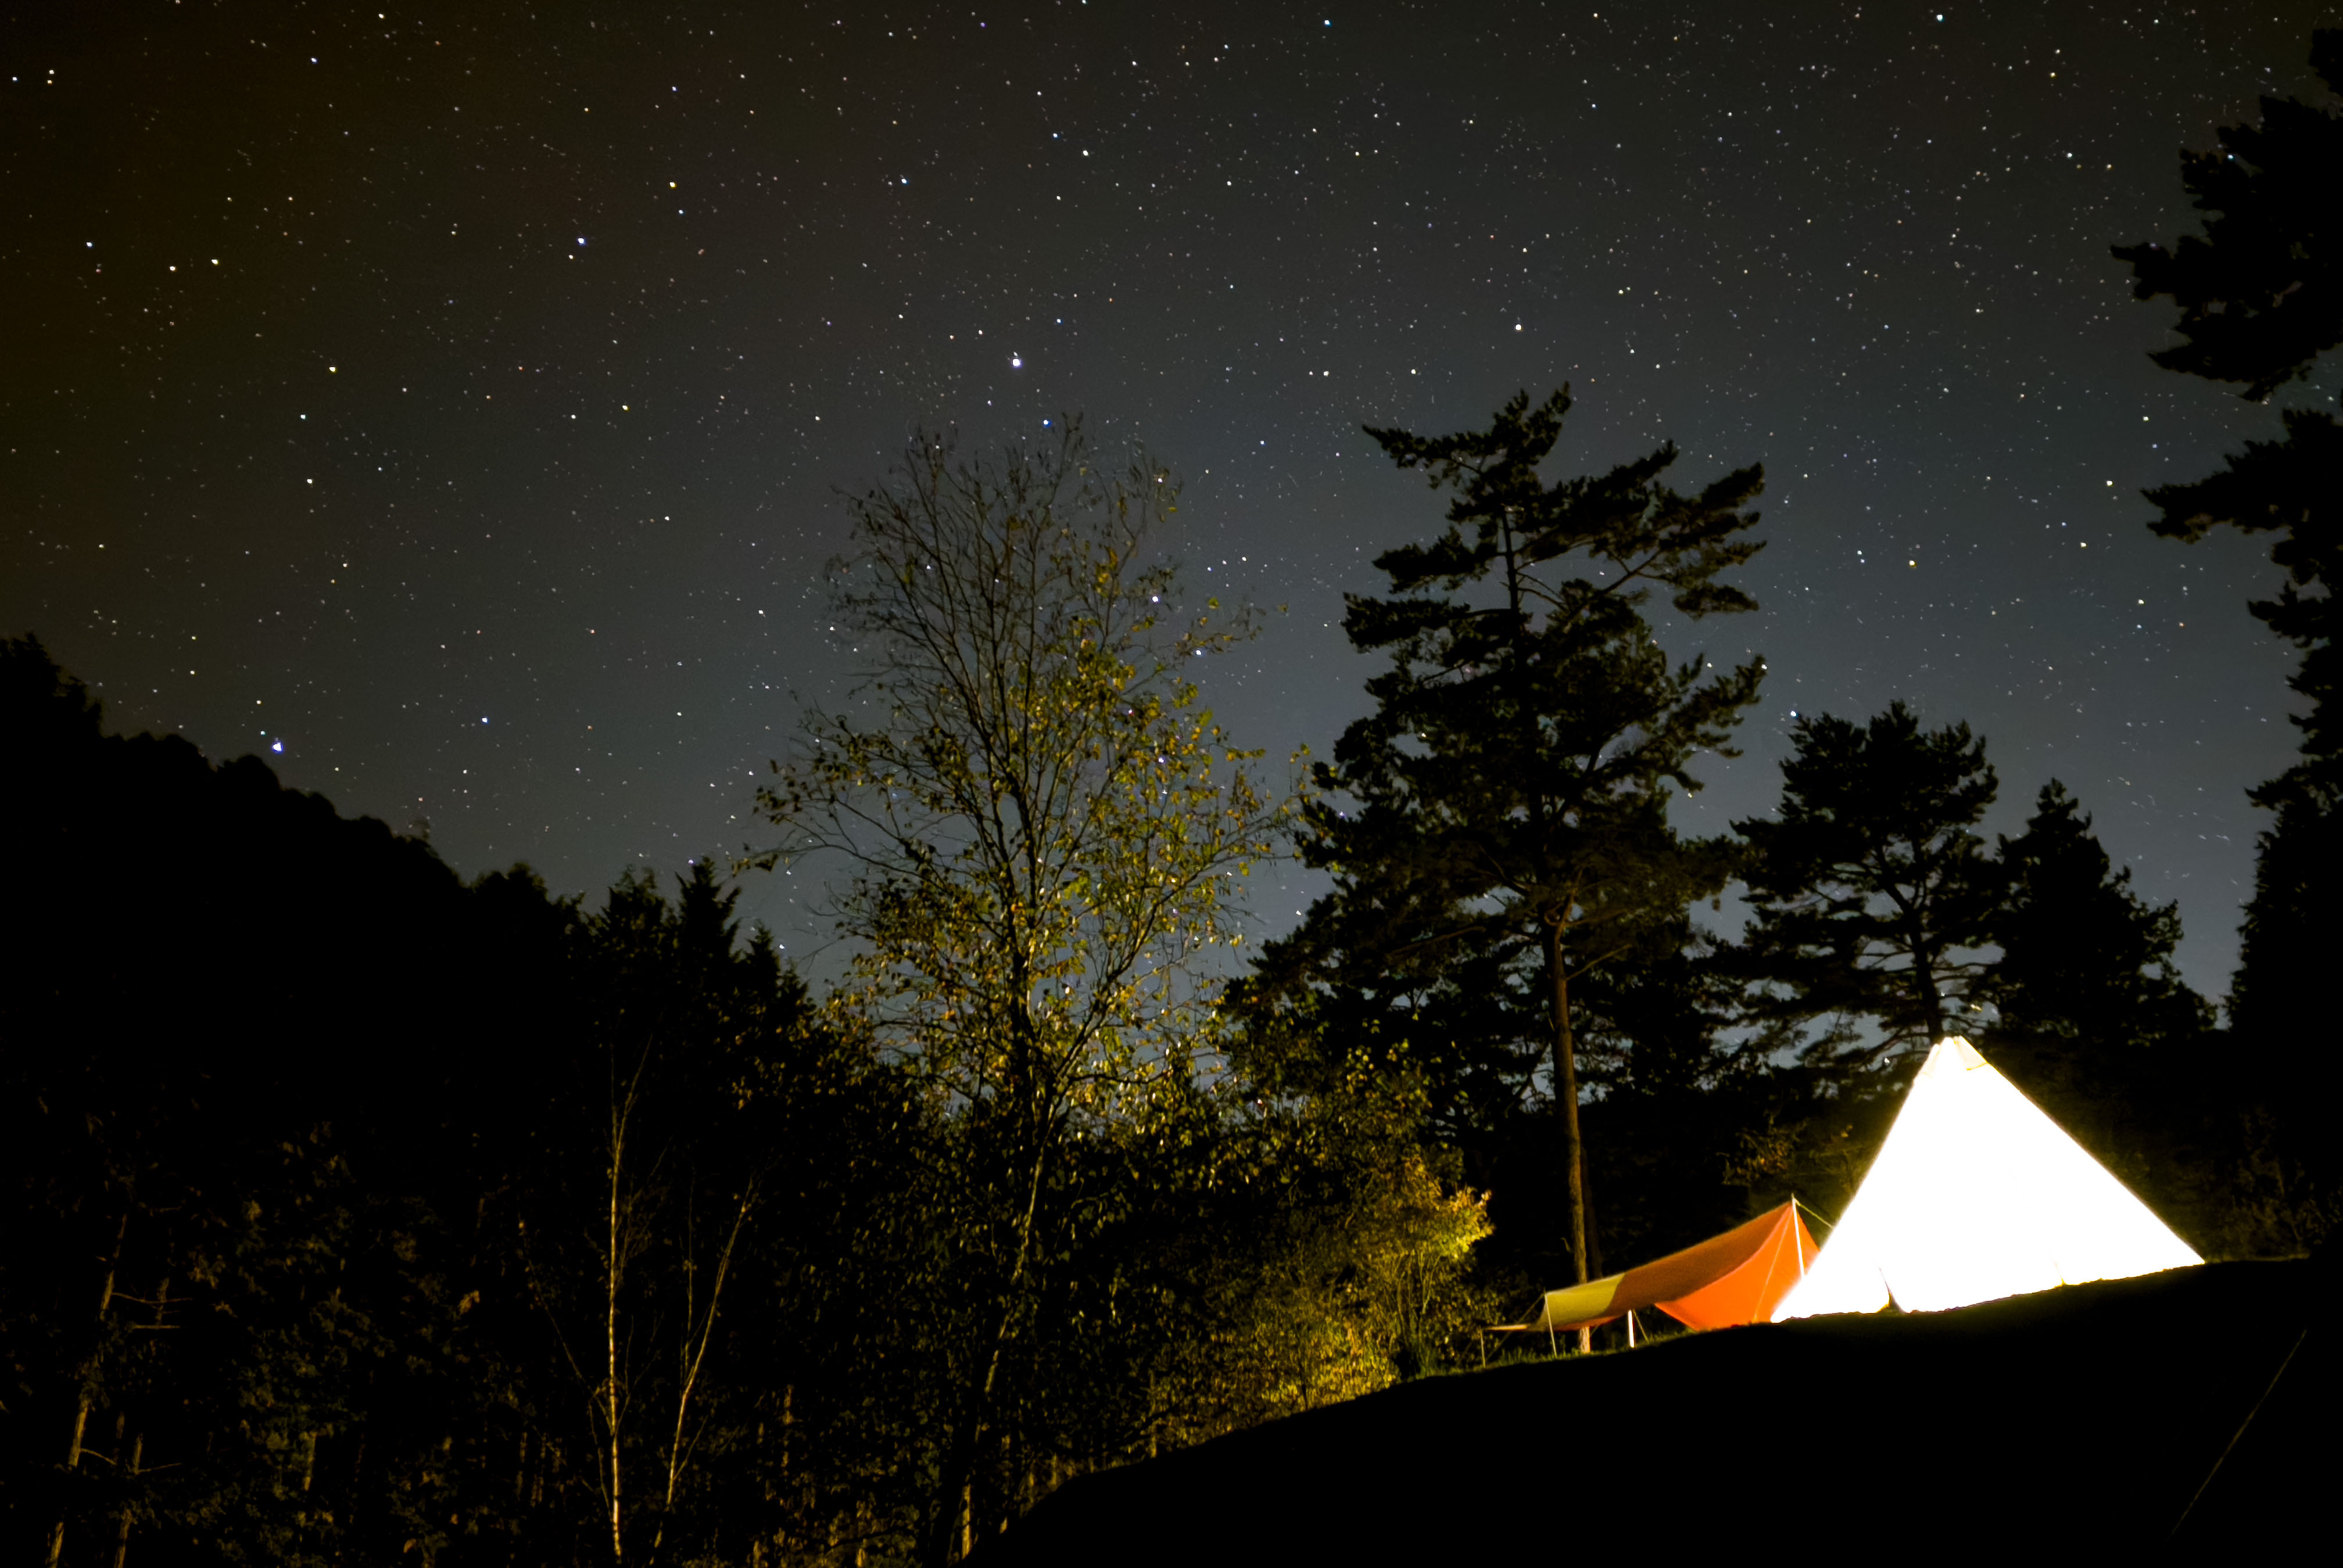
(1631, 1328)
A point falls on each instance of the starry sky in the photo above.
(450, 402)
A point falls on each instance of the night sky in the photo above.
(448, 403)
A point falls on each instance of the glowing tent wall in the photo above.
(1975, 1195)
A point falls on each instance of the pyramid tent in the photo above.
(1735, 1278)
(1976, 1195)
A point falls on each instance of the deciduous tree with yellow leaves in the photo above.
(1042, 829)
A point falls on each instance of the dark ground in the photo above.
(2086, 1417)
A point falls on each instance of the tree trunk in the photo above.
(1565, 1098)
(88, 1370)
(953, 1504)
(73, 1462)
(960, 1458)
(1923, 982)
(1595, 1268)
(610, 1399)
(694, 1356)
(130, 1473)
(955, 1494)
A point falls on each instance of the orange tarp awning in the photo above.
(1739, 1277)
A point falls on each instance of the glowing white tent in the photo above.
(1976, 1195)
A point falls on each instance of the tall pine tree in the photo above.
(1871, 886)
(2094, 1020)
(1502, 812)
(2085, 963)
(2261, 299)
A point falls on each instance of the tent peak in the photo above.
(1953, 1053)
